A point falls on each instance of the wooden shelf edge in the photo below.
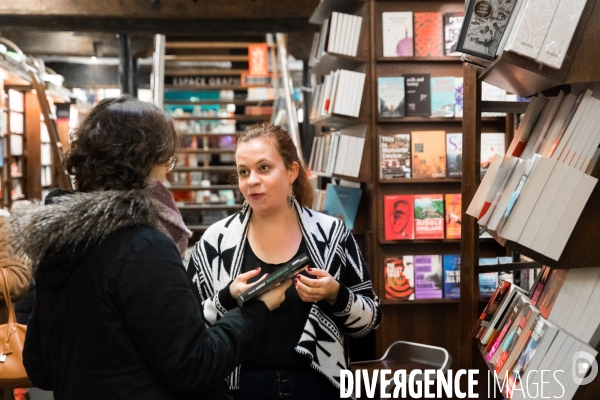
(325, 8)
(406, 120)
(455, 59)
(409, 180)
(393, 302)
(338, 121)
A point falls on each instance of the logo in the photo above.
(582, 361)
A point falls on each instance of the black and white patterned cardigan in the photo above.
(218, 257)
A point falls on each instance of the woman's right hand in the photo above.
(240, 284)
(274, 297)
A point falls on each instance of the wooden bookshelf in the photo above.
(524, 77)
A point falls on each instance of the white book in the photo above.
(540, 211)
(319, 141)
(351, 34)
(583, 368)
(503, 175)
(397, 30)
(346, 28)
(542, 126)
(569, 219)
(350, 98)
(532, 114)
(585, 137)
(593, 161)
(509, 189)
(557, 124)
(530, 32)
(514, 16)
(341, 156)
(506, 301)
(559, 203)
(356, 37)
(352, 143)
(528, 198)
(16, 145)
(592, 149)
(478, 201)
(335, 142)
(567, 295)
(590, 316)
(560, 32)
(325, 152)
(360, 86)
(334, 91)
(558, 387)
(326, 103)
(333, 37)
(314, 109)
(342, 92)
(582, 110)
(577, 131)
(322, 39)
(313, 150)
(585, 293)
(358, 153)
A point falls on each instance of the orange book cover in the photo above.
(550, 291)
(428, 154)
(258, 59)
(399, 278)
(429, 35)
(453, 204)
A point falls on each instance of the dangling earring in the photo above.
(291, 198)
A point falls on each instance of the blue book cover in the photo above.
(488, 281)
(342, 202)
(391, 97)
(451, 276)
(443, 97)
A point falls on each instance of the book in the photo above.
(496, 297)
(428, 154)
(394, 156)
(491, 144)
(342, 202)
(399, 278)
(503, 328)
(428, 277)
(458, 99)
(429, 40)
(429, 216)
(417, 95)
(398, 217)
(483, 27)
(397, 30)
(291, 268)
(503, 307)
(453, 215)
(451, 276)
(453, 155)
(488, 281)
(390, 92)
(442, 97)
(452, 24)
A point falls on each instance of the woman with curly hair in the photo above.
(116, 316)
(301, 355)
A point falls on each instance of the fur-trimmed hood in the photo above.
(75, 218)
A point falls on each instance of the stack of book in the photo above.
(547, 328)
(339, 152)
(535, 194)
(341, 93)
(340, 34)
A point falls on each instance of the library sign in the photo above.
(435, 384)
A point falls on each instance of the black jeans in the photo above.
(285, 384)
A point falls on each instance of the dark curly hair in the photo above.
(119, 143)
(287, 150)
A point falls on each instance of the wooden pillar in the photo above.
(33, 147)
(469, 249)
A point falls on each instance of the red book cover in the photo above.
(429, 34)
(429, 216)
(453, 204)
(398, 217)
(258, 59)
(399, 278)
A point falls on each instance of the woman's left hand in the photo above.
(323, 287)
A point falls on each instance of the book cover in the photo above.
(513, 312)
(452, 25)
(453, 215)
(417, 95)
(429, 216)
(398, 217)
(451, 276)
(390, 92)
(442, 97)
(488, 282)
(483, 27)
(394, 156)
(399, 278)
(491, 144)
(538, 286)
(549, 292)
(429, 40)
(490, 308)
(397, 34)
(428, 277)
(453, 155)
(342, 202)
(428, 154)
(458, 94)
(258, 63)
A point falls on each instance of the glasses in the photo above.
(171, 163)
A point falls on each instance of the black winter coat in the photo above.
(117, 317)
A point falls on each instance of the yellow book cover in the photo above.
(428, 154)
(453, 203)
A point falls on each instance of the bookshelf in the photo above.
(524, 77)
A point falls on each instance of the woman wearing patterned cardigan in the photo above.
(302, 354)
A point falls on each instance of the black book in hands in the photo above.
(290, 269)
